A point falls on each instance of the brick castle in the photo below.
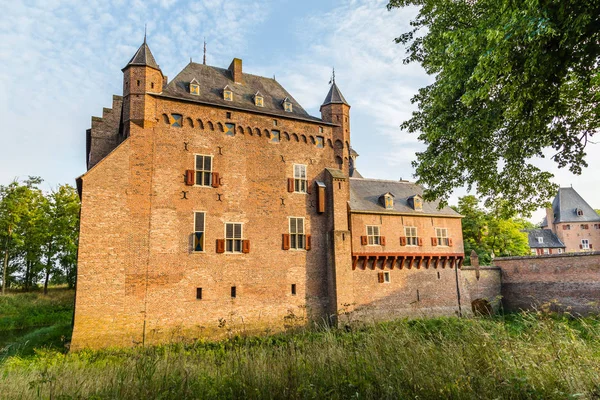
(214, 202)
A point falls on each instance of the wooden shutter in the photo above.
(434, 241)
(321, 199)
(380, 277)
(220, 245)
(564, 227)
(245, 246)
(382, 240)
(581, 246)
(308, 244)
(402, 240)
(286, 241)
(591, 247)
(290, 185)
(190, 174)
(420, 240)
(363, 240)
(216, 180)
(587, 226)
(450, 242)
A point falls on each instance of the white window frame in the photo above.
(546, 250)
(202, 171)
(442, 237)
(387, 278)
(585, 244)
(540, 239)
(374, 237)
(300, 182)
(560, 251)
(297, 239)
(195, 230)
(233, 240)
(411, 240)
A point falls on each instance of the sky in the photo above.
(61, 60)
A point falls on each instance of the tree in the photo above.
(490, 233)
(512, 79)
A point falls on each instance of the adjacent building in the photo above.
(573, 221)
(214, 202)
(544, 241)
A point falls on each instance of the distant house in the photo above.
(544, 241)
(573, 221)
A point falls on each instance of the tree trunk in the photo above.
(48, 267)
(27, 272)
(5, 268)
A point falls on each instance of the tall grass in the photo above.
(34, 309)
(524, 356)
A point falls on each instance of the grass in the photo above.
(522, 356)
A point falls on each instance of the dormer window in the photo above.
(387, 201)
(194, 87)
(259, 100)
(227, 93)
(540, 239)
(579, 211)
(416, 202)
(287, 105)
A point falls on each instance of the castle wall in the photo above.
(484, 285)
(570, 281)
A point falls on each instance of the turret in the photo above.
(141, 76)
(335, 109)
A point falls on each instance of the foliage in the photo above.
(490, 232)
(38, 234)
(512, 80)
(530, 355)
(27, 310)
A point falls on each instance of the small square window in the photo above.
(540, 239)
(320, 129)
(199, 293)
(287, 106)
(233, 292)
(320, 142)
(230, 129)
(275, 136)
(258, 101)
(386, 277)
(228, 115)
(546, 251)
(176, 120)
(194, 89)
(293, 289)
(275, 122)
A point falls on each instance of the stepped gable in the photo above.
(212, 80)
(365, 194)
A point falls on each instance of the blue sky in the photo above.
(60, 64)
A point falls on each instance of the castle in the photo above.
(214, 201)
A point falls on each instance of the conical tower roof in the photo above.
(334, 96)
(143, 57)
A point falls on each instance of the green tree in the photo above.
(512, 79)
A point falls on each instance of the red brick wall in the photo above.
(488, 286)
(572, 238)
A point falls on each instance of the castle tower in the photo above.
(141, 76)
(335, 109)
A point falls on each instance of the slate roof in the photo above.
(143, 56)
(550, 240)
(365, 194)
(212, 80)
(334, 96)
(565, 206)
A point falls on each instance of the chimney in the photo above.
(236, 71)
(550, 219)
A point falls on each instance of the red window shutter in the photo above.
(215, 180)
(380, 277)
(363, 240)
(549, 251)
(587, 226)
(434, 241)
(564, 227)
(402, 240)
(450, 242)
(245, 246)
(308, 188)
(581, 246)
(290, 185)
(382, 240)
(190, 174)
(220, 245)
(308, 244)
(591, 247)
(420, 240)
(286, 241)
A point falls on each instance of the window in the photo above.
(320, 129)
(596, 226)
(442, 236)
(287, 105)
(584, 226)
(546, 251)
(386, 277)
(320, 142)
(194, 87)
(176, 120)
(227, 94)
(567, 227)
(579, 211)
(228, 115)
(230, 129)
(293, 289)
(275, 136)
(411, 236)
(560, 251)
(199, 293)
(585, 244)
(388, 201)
(199, 231)
(297, 236)
(233, 237)
(203, 170)
(300, 182)
(233, 292)
(152, 85)
(275, 122)
(258, 100)
(540, 239)
(373, 237)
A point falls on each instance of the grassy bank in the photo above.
(522, 356)
(30, 321)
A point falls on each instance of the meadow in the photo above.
(519, 356)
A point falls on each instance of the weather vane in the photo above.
(332, 80)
